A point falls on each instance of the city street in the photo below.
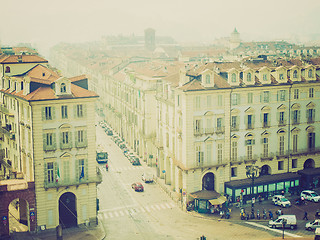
(126, 214)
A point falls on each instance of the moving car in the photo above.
(138, 187)
(313, 225)
(147, 177)
(310, 195)
(109, 133)
(280, 200)
(290, 222)
(136, 162)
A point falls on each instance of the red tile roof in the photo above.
(22, 59)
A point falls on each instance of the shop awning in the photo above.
(310, 172)
(218, 201)
(205, 195)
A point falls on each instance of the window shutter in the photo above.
(246, 119)
(66, 172)
(84, 110)
(314, 114)
(75, 111)
(253, 141)
(53, 112)
(238, 99)
(43, 113)
(262, 140)
(70, 139)
(278, 93)
(298, 116)
(61, 140)
(260, 97)
(77, 170)
(245, 142)
(54, 141)
(278, 116)
(86, 172)
(45, 174)
(85, 142)
(307, 115)
(253, 119)
(44, 141)
(55, 170)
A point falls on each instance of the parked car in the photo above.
(138, 187)
(136, 162)
(310, 195)
(109, 133)
(313, 225)
(291, 222)
(147, 177)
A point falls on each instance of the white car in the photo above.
(310, 195)
(147, 177)
(313, 225)
(281, 201)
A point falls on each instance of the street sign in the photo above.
(31, 214)
(184, 193)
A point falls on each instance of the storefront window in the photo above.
(248, 191)
(280, 186)
(272, 187)
(287, 184)
(260, 189)
(202, 204)
(237, 192)
(229, 191)
(266, 188)
(296, 183)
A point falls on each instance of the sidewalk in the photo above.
(76, 233)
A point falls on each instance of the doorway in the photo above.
(67, 210)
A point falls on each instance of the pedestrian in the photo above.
(107, 167)
(305, 216)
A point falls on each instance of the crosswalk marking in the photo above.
(118, 212)
(119, 169)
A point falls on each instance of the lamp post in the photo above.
(252, 172)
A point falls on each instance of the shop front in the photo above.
(263, 187)
(203, 200)
(310, 178)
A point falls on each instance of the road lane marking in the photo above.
(152, 207)
(162, 206)
(110, 215)
(142, 209)
(168, 206)
(117, 214)
(172, 204)
(105, 215)
(121, 213)
(147, 208)
(127, 211)
(157, 206)
(275, 230)
(136, 210)
(117, 208)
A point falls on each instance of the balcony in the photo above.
(208, 130)
(234, 127)
(266, 157)
(305, 151)
(248, 159)
(75, 182)
(249, 126)
(13, 182)
(198, 132)
(219, 130)
(266, 125)
(282, 154)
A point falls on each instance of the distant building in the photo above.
(150, 39)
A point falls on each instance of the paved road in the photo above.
(152, 214)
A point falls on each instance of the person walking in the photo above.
(305, 216)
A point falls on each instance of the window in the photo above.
(219, 151)
(265, 77)
(233, 172)
(219, 123)
(311, 92)
(295, 143)
(250, 98)
(219, 100)
(266, 96)
(234, 151)
(311, 141)
(266, 120)
(310, 115)
(235, 99)
(82, 172)
(63, 88)
(209, 153)
(234, 124)
(197, 99)
(48, 114)
(178, 100)
(249, 122)
(233, 77)
(21, 85)
(281, 76)
(281, 145)
(280, 165)
(80, 135)
(310, 73)
(49, 139)
(294, 163)
(50, 172)
(199, 156)
(8, 70)
(65, 137)
(265, 142)
(281, 118)
(79, 110)
(295, 74)
(64, 112)
(249, 77)
(197, 126)
(282, 95)
(208, 79)
(296, 116)
(208, 101)
(249, 144)
(296, 94)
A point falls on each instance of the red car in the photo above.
(138, 187)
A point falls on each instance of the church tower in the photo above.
(234, 39)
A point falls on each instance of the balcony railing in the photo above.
(209, 130)
(305, 151)
(219, 130)
(75, 182)
(198, 132)
(268, 156)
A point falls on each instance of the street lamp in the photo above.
(252, 172)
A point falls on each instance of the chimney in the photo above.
(183, 78)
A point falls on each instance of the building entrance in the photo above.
(67, 210)
(208, 182)
(18, 215)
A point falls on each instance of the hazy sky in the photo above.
(49, 22)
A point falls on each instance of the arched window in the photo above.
(295, 74)
(63, 88)
(8, 70)
(208, 79)
(310, 73)
(249, 77)
(233, 77)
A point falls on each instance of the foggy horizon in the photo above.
(44, 23)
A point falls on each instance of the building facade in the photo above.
(51, 122)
